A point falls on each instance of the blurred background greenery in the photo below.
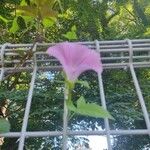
(29, 21)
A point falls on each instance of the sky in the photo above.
(98, 142)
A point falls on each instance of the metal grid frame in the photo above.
(115, 54)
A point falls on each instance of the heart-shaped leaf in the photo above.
(89, 109)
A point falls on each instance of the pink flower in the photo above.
(75, 58)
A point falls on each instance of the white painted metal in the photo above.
(65, 120)
(28, 104)
(115, 54)
(57, 133)
(102, 96)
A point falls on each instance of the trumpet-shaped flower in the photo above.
(75, 58)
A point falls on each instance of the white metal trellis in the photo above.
(115, 54)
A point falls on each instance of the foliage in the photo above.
(27, 21)
(4, 125)
(89, 109)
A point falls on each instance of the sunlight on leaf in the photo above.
(4, 19)
(73, 28)
(47, 22)
(27, 19)
(15, 26)
(23, 3)
(27, 11)
(71, 35)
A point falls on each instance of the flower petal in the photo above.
(75, 58)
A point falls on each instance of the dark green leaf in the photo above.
(4, 125)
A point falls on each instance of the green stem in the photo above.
(68, 96)
(69, 93)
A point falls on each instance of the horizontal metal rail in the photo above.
(60, 133)
(58, 68)
(125, 54)
(114, 54)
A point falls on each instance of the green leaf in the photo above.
(4, 125)
(73, 28)
(71, 106)
(21, 23)
(83, 83)
(71, 35)
(21, 52)
(89, 109)
(4, 19)
(47, 22)
(46, 12)
(27, 19)
(15, 26)
(23, 3)
(27, 11)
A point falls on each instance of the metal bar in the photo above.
(137, 87)
(84, 132)
(107, 49)
(102, 58)
(123, 47)
(2, 61)
(87, 42)
(102, 96)
(65, 119)
(28, 104)
(58, 68)
(140, 96)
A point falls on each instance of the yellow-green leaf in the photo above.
(46, 12)
(27, 11)
(23, 3)
(14, 28)
(70, 36)
(73, 28)
(47, 22)
(4, 19)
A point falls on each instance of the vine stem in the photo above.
(67, 98)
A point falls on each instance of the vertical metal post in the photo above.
(108, 132)
(2, 60)
(102, 95)
(28, 104)
(137, 87)
(65, 120)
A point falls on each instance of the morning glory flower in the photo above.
(75, 59)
